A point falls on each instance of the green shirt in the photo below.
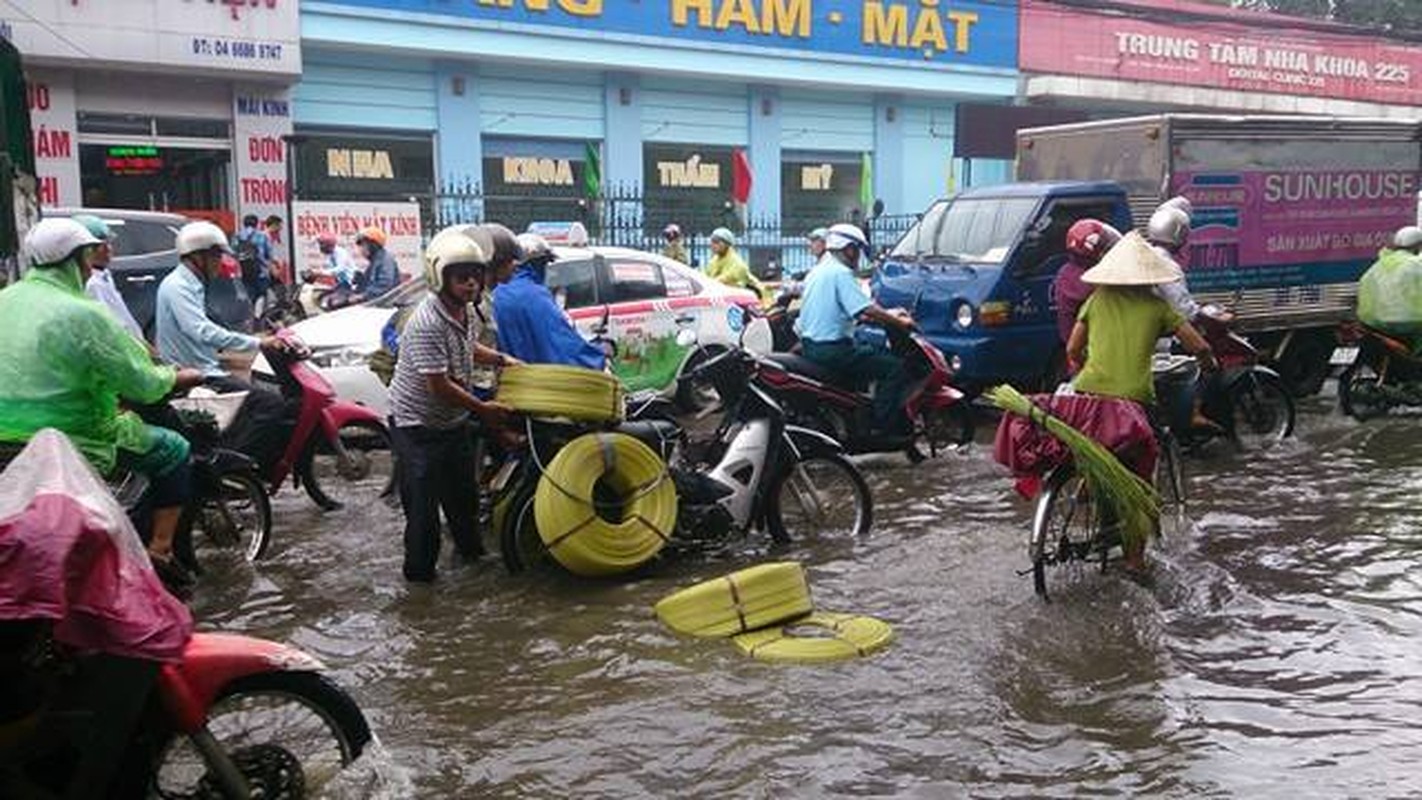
(1122, 326)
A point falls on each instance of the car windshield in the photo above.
(406, 294)
(975, 230)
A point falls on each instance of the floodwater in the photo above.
(1277, 654)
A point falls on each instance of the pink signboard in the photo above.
(1227, 50)
(1292, 227)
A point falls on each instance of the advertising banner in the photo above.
(261, 117)
(400, 221)
(254, 36)
(1241, 52)
(1291, 227)
(53, 120)
(942, 33)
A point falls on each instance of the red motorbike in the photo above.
(338, 451)
(941, 416)
(105, 691)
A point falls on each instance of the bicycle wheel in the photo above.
(821, 496)
(1067, 529)
(363, 473)
(289, 733)
(1169, 481)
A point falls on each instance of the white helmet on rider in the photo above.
(53, 241)
(195, 237)
(451, 246)
(843, 235)
(1181, 202)
(1169, 227)
(1408, 238)
(536, 249)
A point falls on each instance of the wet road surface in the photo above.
(1278, 653)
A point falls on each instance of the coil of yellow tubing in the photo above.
(629, 521)
(766, 594)
(552, 390)
(838, 637)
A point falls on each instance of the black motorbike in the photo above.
(1381, 372)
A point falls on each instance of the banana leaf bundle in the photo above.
(1121, 492)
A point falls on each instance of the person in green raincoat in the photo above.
(1390, 292)
(728, 267)
(66, 363)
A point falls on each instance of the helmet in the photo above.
(1181, 202)
(372, 234)
(1408, 238)
(506, 248)
(196, 237)
(672, 231)
(1169, 226)
(724, 235)
(53, 241)
(843, 235)
(818, 234)
(451, 246)
(95, 226)
(536, 249)
(1089, 239)
(326, 239)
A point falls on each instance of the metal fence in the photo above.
(627, 217)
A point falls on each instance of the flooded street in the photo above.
(1277, 653)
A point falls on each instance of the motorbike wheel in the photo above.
(289, 733)
(364, 476)
(1359, 394)
(1263, 410)
(522, 547)
(1068, 530)
(950, 427)
(821, 496)
(238, 521)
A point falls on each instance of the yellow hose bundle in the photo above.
(617, 529)
(551, 390)
(850, 636)
(768, 594)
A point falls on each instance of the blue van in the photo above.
(976, 272)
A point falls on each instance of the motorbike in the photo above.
(105, 691)
(1246, 398)
(338, 452)
(751, 470)
(1380, 373)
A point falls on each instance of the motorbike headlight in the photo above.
(339, 357)
(956, 364)
(964, 315)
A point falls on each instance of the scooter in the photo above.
(332, 443)
(1380, 373)
(754, 471)
(1246, 398)
(104, 689)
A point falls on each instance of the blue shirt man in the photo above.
(254, 253)
(830, 302)
(185, 334)
(381, 273)
(531, 327)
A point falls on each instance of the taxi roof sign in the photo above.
(569, 234)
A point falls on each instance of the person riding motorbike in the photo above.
(831, 305)
(1087, 241)
(1390, 291)
(431, 401)
(187, 336)
(65, 363)
(728, 267)
(675, 248)
(531, 326)
(381, 272)
(100, 285)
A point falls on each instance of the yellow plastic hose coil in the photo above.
(767, 594)
(840, 637)
(619, 527)
(550, 390)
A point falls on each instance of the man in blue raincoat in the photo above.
(531, 325)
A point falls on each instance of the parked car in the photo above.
(641, 295)
(144, 250)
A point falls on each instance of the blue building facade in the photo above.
(523, 98)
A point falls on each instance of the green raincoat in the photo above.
(731, 270)
(1390, 293)
(65, 363)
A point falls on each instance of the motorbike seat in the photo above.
(804, 366)
(658, 434)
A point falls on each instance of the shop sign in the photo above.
(400, 221)
(933, 32)
(538, 171)
(53, 120)
(1254, 54)
(360, 164)
(252, 36)
(692, 173)
(261, 116)
(133, 160)
(817, 178)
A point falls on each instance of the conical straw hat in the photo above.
(1132, 262)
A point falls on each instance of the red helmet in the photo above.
(326, 239)
(1089, 239)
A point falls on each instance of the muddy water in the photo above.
(1277, 653)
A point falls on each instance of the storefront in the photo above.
(187, 115)
(578, 102)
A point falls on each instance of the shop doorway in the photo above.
(155, 178)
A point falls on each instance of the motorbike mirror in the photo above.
(686, 337)
(878, 208)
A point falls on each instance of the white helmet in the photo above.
(1181, 202)
(843, 235)
(196, 237)
(536, 249)
(1169, 226)
(451, 246)
(53, 241)
(1408, 238)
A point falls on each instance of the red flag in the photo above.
(741, 178)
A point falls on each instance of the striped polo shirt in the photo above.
(433, 343)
